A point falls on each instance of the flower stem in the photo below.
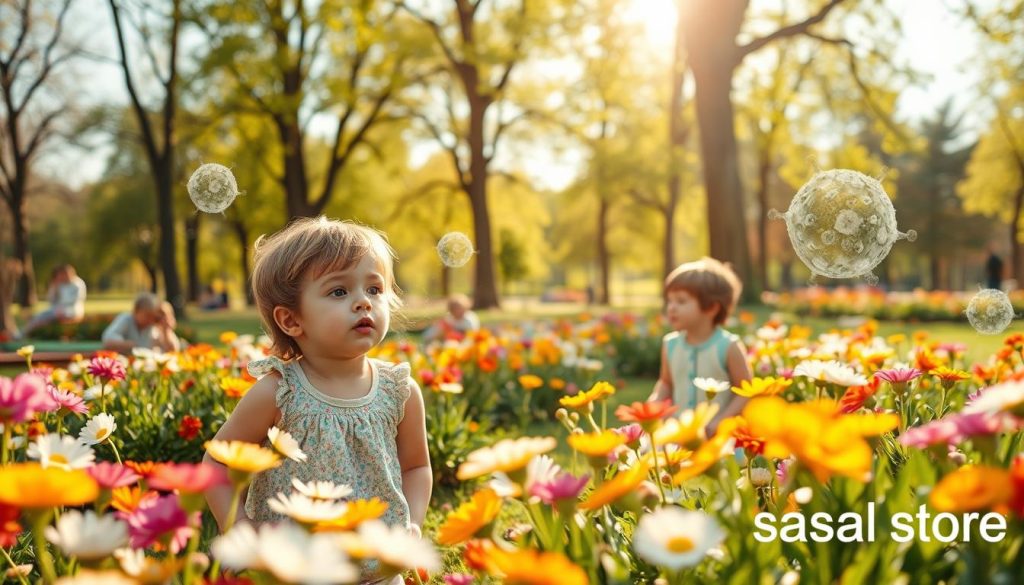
(14, 566)
(114, 447)
(5, 442)
(193, 545)
(39, 522)
(657, 467)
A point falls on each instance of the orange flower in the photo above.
(972, 488)
(470, 518)
(235, 387)
(750, 442)
(855, 396)
(948, 376)
(584, 399)
(128, 498)
(30, 485)
(618, 486)
(477, 554)
(487, 364)
(227, 337)
(645, 412)
(530, 382)
(556, 384)
(356, 512)
(533, 567)
(142, 468)
(925, 360)
(709, 453)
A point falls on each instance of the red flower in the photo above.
(642, 412)
(143, 468)
(1017, 483)
(9, 527)
(112, 475)
(107, 369)
(189, 427)
(855, 396)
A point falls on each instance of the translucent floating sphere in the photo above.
(990, 311)
(842, 224)
(212, 188)
(455, 249)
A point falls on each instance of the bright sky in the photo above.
(934, 43)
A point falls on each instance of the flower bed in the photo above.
(918, 305)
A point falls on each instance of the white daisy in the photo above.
(450, 388)
(88, 577)
(294, 556)
(710, 385)
(1006, 396)
(306, 510)
(98, 429)
(396, 547)
(88, 536)
(237, 548)
(541, 469)
(816, 369)
(772, 333)
(322, 490)
(505, 454)
(675, 538)
(62, 452)
(286, 444)
(844, 375)
(17, 441)
(94, 392)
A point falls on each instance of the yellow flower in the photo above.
(469, 518)
(26, 351)
(710, 452)
(556, 384)
(762, 387)
(583, 400)
(948, 376)
(227, 337)
(599, 444)
(618, 486)
(972, 488)
(533, 567)
(506, 455)
(896, 339)
(235, 387)
(356, 512)
(687, 429)
(242, 456)
(530, 382)
(29, 485)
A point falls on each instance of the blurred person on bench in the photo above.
(150, 324)
(66, 296)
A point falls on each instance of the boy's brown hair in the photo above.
(311, 246)
(711, 282)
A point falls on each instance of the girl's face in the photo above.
(682, 309)
(344, 313)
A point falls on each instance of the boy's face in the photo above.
(457, 310)
(682, 309)
(147, 318)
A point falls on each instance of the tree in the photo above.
(293, 61)
(157, 129)
(481, 44)
(32, 52)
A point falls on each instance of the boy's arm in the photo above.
(739, 370)
(413, 456)
(113, 336)
(663, 387)
(255, 413)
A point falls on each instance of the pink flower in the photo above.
(68, 400)
(955, 428)
(563, 487)
(631, 432)
(192, 478)
(937, 431)
(898, 375)
(24, 396)
(160, 519)
(112, 475)
(458, 579)
(106, 368)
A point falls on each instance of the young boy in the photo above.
(150, 324)
(459, 320)
(698, 298)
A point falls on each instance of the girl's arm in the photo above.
(739, 370)
(663, 387)
(417, 477)
(255, 413)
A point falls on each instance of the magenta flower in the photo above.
(24, 396)
(938, 431)
(898, 375)
(68, 400)
(112, 475)
(192, 478)
(160, 519)
(107, 369)
(631, 432)
(458, 579)
(985, 423)
(565, 486)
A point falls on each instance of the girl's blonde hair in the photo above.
(312, 246)
(710, 282)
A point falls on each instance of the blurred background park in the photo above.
(585, 146)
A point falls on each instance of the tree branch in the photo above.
(787, 31)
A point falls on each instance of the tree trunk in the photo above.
(668, 253)
(10, 271)
(151, 271)
(763, 176)
(446, 280)
(485, 290)
(165, 217)
(243, 241)
(677, 135)
(192, 257)
(603, 253)
(25, 293)
(295, 182)
(711, 46)
(1015, 266)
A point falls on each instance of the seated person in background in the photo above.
(212, 300)
(66, 296)
(459, 321)
(150, 324)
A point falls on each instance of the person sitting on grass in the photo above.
(66, 297)
(459, 321)
(150, 324)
